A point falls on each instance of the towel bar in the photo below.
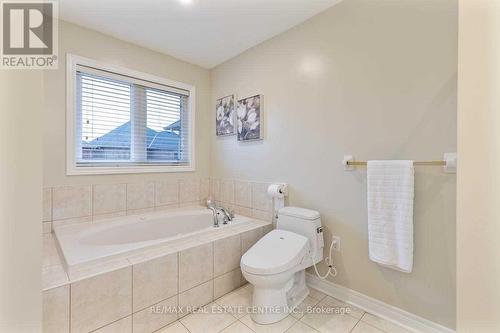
(429, 163)
(449, 162)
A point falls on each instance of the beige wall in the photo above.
(376, 79)
(88, 43)
(20, 200)
(478, 213)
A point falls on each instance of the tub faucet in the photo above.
(216, 211)
(228, 214)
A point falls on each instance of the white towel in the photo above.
(390, 213)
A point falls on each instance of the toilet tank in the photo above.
(304, 222)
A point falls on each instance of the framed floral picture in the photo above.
(249, 118)
(225, 114)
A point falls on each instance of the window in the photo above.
(123, 121)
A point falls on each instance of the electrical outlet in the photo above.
(336, 240)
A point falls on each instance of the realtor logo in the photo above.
(29, 35)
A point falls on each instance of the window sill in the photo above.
(79, 171)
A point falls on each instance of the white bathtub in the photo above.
(92, 242)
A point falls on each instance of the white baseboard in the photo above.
(376, 307)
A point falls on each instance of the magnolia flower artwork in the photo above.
(249, 118)
(224, 123)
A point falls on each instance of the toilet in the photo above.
(276, 264)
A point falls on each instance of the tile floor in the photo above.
(352, 320)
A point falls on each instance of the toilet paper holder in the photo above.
(278, 190)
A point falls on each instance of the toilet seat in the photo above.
(276, 252)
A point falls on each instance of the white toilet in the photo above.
(276, 264)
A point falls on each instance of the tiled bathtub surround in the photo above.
(244, 197)
(118, 296)
(84, 203)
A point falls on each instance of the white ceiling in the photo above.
(203, 32)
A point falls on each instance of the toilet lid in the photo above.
(274, 253)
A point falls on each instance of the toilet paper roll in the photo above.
(276, 191)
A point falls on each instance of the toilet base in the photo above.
(272, 304)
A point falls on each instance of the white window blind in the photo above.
(126, 121)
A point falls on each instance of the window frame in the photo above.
(72, 168)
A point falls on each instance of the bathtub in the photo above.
(102, 264)
(90, 243)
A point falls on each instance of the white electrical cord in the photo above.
(329, 262)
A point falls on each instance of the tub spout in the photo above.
(211, 205)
